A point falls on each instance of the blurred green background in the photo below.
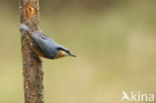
(115, 44)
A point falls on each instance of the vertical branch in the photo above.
(32, 67)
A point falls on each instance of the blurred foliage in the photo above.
(114, 41)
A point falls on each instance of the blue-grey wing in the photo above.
(45, 44)
(43, 36)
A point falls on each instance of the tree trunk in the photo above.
(32, 67)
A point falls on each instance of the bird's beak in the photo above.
(71, 55)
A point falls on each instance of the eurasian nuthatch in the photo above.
(44, 46)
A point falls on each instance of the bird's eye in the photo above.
(68, 52)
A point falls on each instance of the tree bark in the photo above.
(32, 67)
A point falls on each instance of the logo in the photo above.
(137, 96)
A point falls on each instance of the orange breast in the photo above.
(37, 52)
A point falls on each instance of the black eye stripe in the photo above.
(63, 50)
(58, 48)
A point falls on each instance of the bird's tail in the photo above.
(23, 27)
